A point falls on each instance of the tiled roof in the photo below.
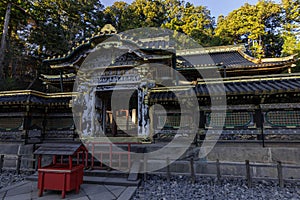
(34, 97)
(253, 85)
(232, 59)
(231, 56)
(59, 149)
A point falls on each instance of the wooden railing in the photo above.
(19, 159)
(248, 176)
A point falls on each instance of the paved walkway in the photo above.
(27, 190)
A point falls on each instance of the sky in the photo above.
(217, 7)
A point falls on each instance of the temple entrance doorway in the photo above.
(114, 119)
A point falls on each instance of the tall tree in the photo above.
(40, 28)
(63, 23)
(121, 16)
(148, 13)
(252, 24)
(4, 38)
(195, 21)
(14, 22)
(291, 26)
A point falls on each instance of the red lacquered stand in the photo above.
(60, 176)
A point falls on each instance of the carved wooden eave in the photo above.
(251, 78)
(56, 78)
(31, 97)
(280, 106)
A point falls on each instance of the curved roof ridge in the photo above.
(107, 29)
(280, 59)
(214, 49)
(249, 58)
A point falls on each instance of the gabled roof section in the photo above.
(160, 42)
(81, 49)
(254, 85)
(75, 57)
(148, 46)
(229, 57)
(67, 149)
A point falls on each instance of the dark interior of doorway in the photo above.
(117, 120)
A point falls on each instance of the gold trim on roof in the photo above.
(108, 29)
(229, 80)
(283, 59)
(70, 75)
(206, 50)
(37, 93)
(251, 78)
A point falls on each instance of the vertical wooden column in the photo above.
(248, 174)
(202, 122)
(218, 167)
(44, 123)
(143, 111)
(92, 95)
(1, 162)
(114, 124)
(103, 116)
(54, 160)
(26, 123)
(168, 170)
(192, 168)
(70, 162)
(61, 81)
(280, 174)
(151, 129)
(18, 167)
(259, 120)
(127, 120)
(39, 162)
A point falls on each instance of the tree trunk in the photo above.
(3, 39)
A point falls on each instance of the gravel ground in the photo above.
(8, 178)
(180, 187)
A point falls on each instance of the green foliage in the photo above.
(121, 16)
(62, 23)
(251, 23)
(291, 44)
(195, 21)
(41, 28)
(291, 26)
(148, 13)
(11, 84)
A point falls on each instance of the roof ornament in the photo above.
(108, 29)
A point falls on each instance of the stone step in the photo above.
(117, 181)
(110, 181)
(134, 171)
(106, 173)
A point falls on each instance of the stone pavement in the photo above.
(27, 190)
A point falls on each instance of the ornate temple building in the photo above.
(259, 97)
